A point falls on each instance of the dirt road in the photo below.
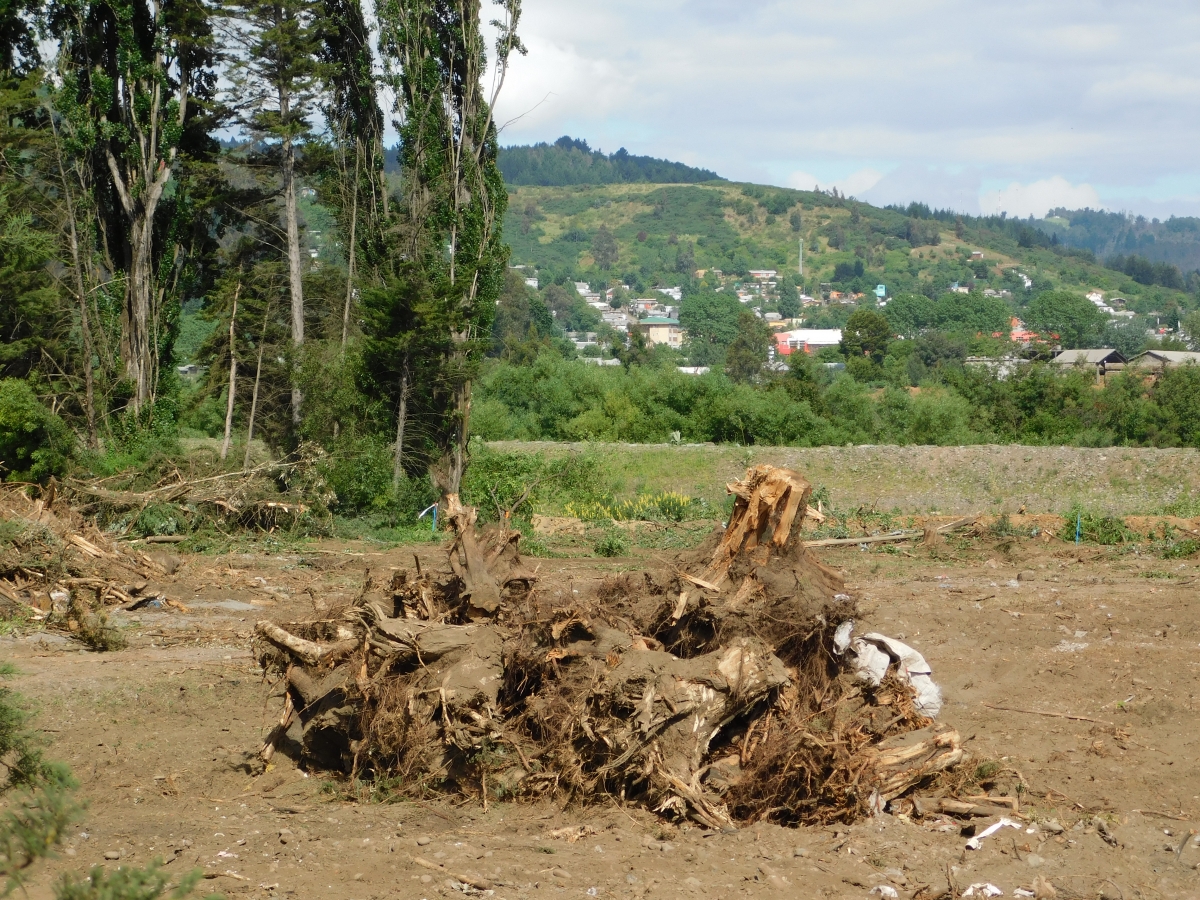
(1071, 672)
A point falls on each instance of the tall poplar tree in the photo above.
(356, 125)
(435, 59)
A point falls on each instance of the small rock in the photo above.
(112, 854)
(1033, 860)
(1025, 576)
(692, 882)
(426, 879)
(561, 873)
(451, 884)
(1053, 827)
(286, 836)
(424, 841)
(895, 876)
(800, 851)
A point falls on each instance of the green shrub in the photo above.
(612, 543)
(127, 883)
(359, 471)
(1097, 528)
(664, 506)
(35, 444)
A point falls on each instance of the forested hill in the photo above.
(1107, 234)
(569, 161)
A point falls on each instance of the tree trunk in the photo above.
(401, 416)
(295, 274)
(456, 465)
(232, 375)
(85, 328)
(350, 252)
(137, 347)
(254, 395)
(139, 190)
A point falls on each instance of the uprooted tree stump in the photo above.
(711, 690)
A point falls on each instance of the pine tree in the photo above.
(274, 68)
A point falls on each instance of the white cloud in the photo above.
(851, 185)
(1039, 197)
(1052, 97)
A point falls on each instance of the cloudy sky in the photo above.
(977, 105)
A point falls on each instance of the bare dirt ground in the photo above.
(1092, 652)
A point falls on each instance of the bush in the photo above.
(665, 505)
(35, 444)
(359, 471)
(1096, 528)
(521, 483)
(613, 543)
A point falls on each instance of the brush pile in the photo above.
(279, 494)
(56, 567)
(722, 688)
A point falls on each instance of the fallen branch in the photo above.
(474, 881)
(874, 539)
(1053, 715)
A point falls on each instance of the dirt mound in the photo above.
(717, 688)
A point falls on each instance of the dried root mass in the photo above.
(711, 690)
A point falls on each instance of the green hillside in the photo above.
(664, 234)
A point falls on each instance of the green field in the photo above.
(918, 480)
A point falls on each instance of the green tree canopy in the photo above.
(710, 319)
(604, 248)
(867, 333)
(748, 352)
(1074, 319)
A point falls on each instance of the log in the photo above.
(309, 651)
(86, 546)
(903, 762)
(873, 539)
(925, 806)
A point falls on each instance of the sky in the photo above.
(980, 106)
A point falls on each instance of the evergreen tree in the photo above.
(274, 71)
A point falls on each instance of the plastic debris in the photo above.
(874, 655)
(974, 843)
(983, 889)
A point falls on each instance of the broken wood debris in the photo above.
(704, 690)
